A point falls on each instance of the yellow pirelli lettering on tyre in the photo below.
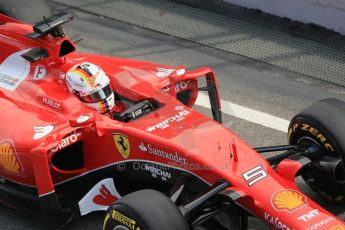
(292, 130)
(313, 131)
(124, 220)
(106, 220)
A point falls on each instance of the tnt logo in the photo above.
(310, 215)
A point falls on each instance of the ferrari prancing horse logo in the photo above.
(122, 144)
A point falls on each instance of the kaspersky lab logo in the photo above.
(161, 153)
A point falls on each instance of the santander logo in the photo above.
(142, 147)
(161, 153)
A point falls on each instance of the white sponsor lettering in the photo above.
(164, 124)
(7, 80)
(42, 131)
(51, 103)
(308, 216)
(158, 172)
(66, 142)
(13, 70)
(161, 153)
(275, 222)
(180, 86)
(321, 223)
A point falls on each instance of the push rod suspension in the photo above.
(276, 148)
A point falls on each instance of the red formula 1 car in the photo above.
(159, 164)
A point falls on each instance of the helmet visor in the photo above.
(98, 96)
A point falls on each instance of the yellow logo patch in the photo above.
(122, 144)
(338, 227)
(288, 200)
(9, 160)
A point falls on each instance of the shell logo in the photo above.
(9, 160)
(338, 227)
(288, 200)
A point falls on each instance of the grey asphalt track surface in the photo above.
(243, 81)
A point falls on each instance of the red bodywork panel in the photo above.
(39, 117)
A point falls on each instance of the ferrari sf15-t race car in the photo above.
(159, 164)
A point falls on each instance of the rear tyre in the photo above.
(144, 210)
(26, 11)
(322, 125)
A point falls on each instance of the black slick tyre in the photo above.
(144, 210)
(323, 125)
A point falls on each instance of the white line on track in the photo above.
(248, 114)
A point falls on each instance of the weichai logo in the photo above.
(288, 200)
(180, 115)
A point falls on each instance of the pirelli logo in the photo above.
(124, 220)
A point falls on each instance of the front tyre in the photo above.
(322, 125)
(144, 210)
